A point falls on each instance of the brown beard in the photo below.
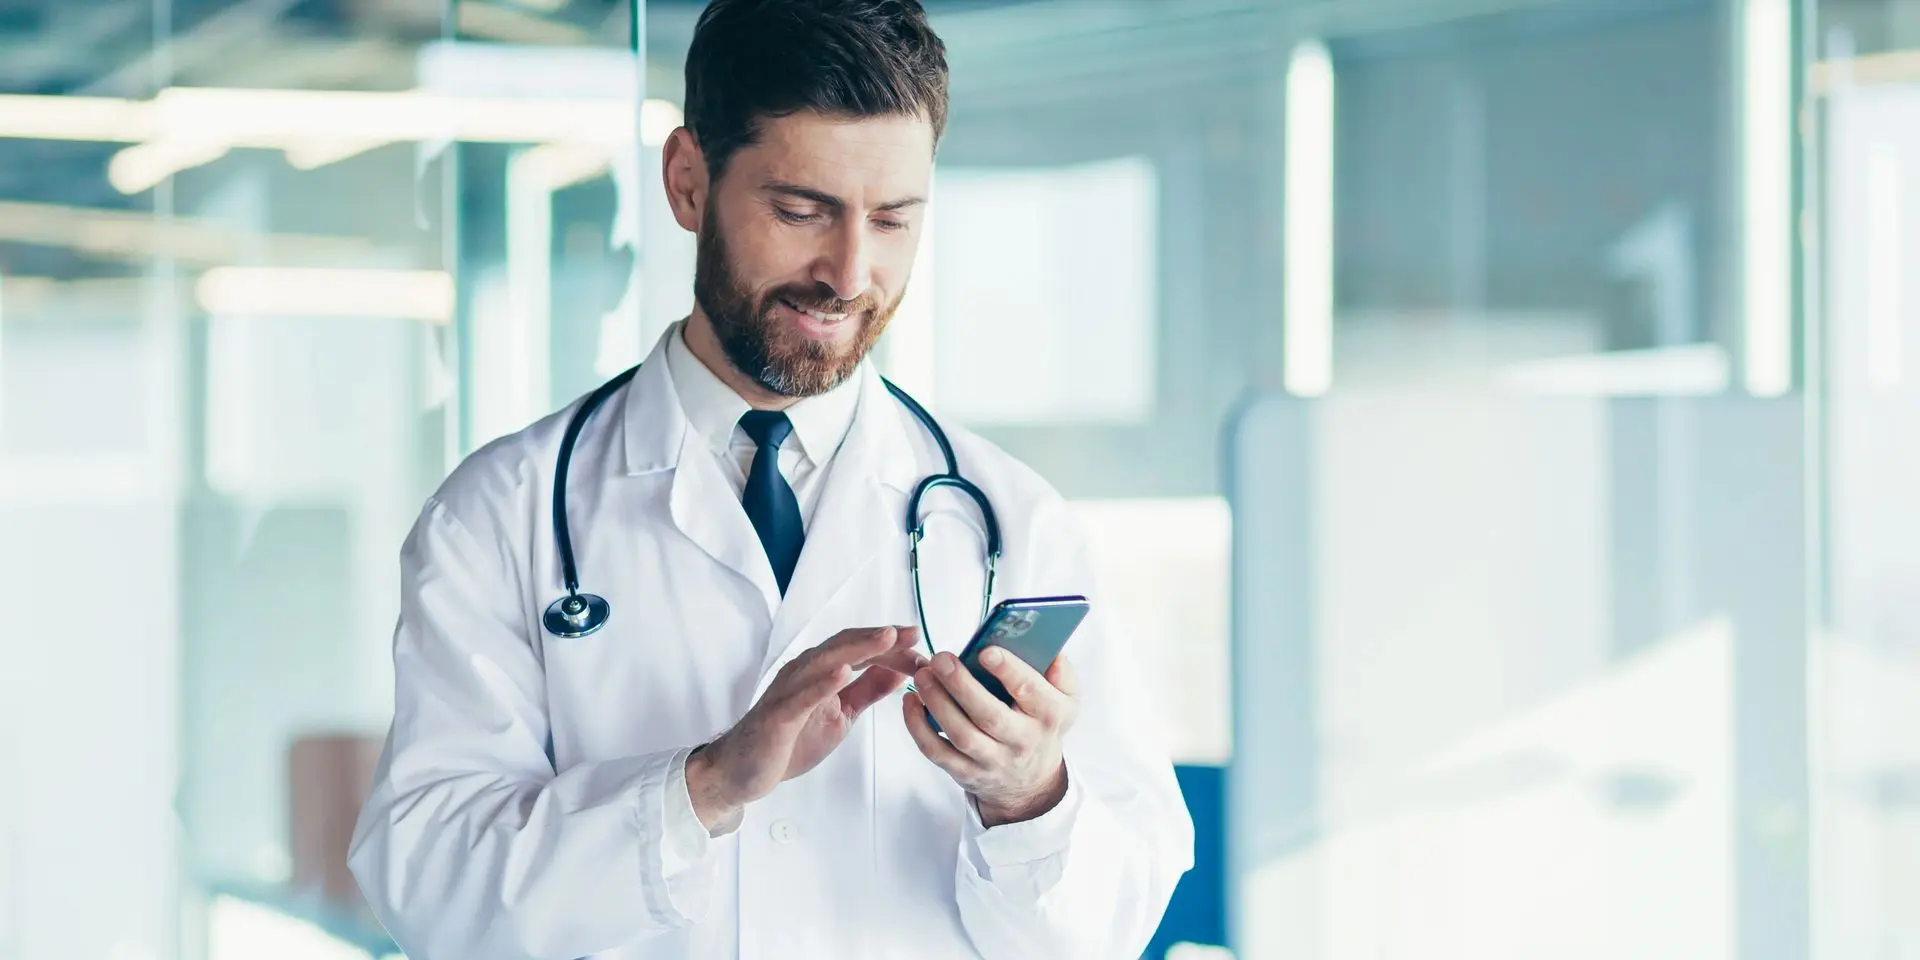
(761, 346)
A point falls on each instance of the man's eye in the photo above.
(890, 226)
(792, 217)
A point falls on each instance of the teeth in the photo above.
(817, 315)
(827, 317)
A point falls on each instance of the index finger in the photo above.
(902, 659)
(854, 647)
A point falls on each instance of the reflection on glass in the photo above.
(1541, 623)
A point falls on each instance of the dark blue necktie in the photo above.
(769, 499)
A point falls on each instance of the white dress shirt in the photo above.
(819, 425)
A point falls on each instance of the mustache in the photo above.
(824, 301)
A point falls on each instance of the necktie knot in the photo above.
(768, 428)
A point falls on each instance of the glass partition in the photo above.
(1522, 536)
(1866, 675)
(266, 271)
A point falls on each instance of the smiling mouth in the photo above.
(821, 316)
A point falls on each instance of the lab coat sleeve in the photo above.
(470, 845)
(1092, 877)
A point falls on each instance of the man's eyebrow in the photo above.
(825, 199)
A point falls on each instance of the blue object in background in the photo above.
(1198, 912)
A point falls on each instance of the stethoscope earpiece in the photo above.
(576, 615)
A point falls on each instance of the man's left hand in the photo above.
(1006, 757)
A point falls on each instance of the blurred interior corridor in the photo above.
(1493, 418)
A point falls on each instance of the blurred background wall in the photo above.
(1493, 415)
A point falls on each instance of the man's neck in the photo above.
(705, 346)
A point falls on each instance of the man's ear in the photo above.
(683, 167)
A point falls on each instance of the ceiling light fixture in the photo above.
(320, 292)
(183, 127)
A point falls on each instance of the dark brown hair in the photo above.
(755, 59)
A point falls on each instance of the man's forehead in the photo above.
(872, 160)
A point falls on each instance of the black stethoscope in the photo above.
(579, 614)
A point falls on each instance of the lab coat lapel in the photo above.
(700, 501)
(705, 509)
(861, 509)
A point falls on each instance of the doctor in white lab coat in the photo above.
(732, 766)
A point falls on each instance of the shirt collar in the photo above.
(820, 423)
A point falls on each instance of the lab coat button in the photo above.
(784, 831)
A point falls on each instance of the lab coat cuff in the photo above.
(1029, 841)
(686, 840)
(684, 843)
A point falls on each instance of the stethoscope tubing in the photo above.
(581, 614)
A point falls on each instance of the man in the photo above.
(731, 767)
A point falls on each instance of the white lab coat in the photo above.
(518, 810)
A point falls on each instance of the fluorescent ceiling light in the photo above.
(37, 117)
(321, 292)
(139, 235)
(184, 127)
(313, 156)
(142, 167)
(1308, 279)
(279, 119)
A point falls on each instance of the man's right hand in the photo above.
(805, 713)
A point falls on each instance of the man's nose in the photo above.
(847, 267)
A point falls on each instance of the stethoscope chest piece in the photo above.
(576, 615)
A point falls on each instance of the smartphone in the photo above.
(1034, 629)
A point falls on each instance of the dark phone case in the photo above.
(1034, 629)
(1036, 639)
